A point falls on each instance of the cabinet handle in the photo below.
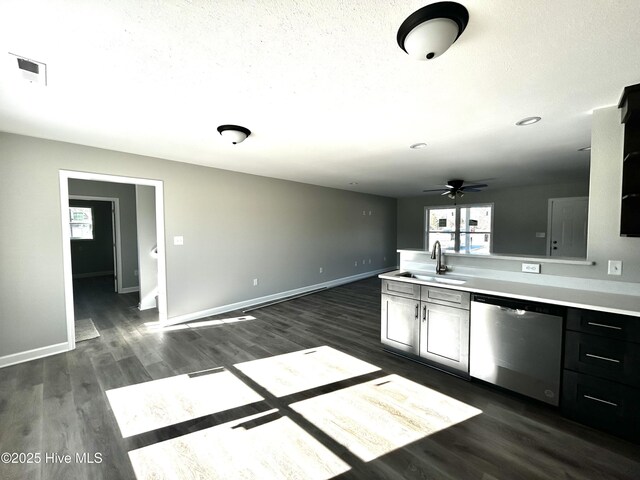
(602, 358)
(417, 309)
(424, 313)
(604, 326)
(600, 400)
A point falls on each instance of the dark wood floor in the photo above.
(59, 405)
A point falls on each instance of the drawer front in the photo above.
(609, 325)
(602, 404)
(444, 296)
(401, 289)
(603, 357)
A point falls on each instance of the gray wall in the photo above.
(603, 239)
(236, 227)
(95, 256)
(518, 214)
(128, 237)
(147, 240)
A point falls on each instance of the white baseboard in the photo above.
(34, 354)
(270, 298)
(129, 289)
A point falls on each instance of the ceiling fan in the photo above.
(455, 188)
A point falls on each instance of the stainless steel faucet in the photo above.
(436, 254)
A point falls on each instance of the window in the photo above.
(81, 223)
(462, 228)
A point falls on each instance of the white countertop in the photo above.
(569, 297)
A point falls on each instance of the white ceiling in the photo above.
(328, 94)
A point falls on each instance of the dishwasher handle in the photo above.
(512, 305)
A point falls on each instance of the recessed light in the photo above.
(418, 146)
(585, 149)
(528, 121)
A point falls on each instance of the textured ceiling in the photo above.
(327, 93)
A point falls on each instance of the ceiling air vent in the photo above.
(31, 70)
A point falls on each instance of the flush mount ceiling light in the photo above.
(528, 121)
(234, 133)
(418, 146)
(428, 32)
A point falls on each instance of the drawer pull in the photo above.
(602, 358)
(600, 400)
(604, 326)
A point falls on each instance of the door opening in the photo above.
(158, 212)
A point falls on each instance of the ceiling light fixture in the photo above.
(234, 133)
(528, 121)
(418, 146)
(585, 149)
(428, 32)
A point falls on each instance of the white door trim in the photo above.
(65, 175)
(116, 204)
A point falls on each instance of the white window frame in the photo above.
(457, 231)
(76, 239)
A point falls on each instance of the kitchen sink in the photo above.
(437, 279)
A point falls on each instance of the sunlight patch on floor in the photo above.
(379, 416)
(262, 447)
(303, 370)
(159, 403)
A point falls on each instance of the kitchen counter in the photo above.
(568, 297)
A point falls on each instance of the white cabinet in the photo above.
(400, 327)
(429, 324)
(444, 337)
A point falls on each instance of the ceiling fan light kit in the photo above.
(234, 133)
(429, 32)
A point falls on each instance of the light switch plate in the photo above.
(531, 267)
(179, 240)
(615, 267)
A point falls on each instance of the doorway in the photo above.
(157, 185)
(100, 254)
(567, 227)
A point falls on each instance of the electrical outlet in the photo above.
(135, 273)
(321, 270)
(364, 212)
(615, 267)
(178, 240)
(355, 264)
(369, 261)
(369, 212)
(384, 259)
(531, 267)
(255, 282)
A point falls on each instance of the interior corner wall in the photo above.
(126, 193)
(236, 227)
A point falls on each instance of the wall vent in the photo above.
(31, 70)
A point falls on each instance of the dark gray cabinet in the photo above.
(601, 376)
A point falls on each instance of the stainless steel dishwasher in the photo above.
(517, 345)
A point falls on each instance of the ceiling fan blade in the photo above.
(477, 185)
(435, 190)
(448, 192)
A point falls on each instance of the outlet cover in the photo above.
(321, 270)
(615, 267)
(255, 282)
(531, 267)
(179, 240)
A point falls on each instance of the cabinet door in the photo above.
(444, 336)
(400, 327)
